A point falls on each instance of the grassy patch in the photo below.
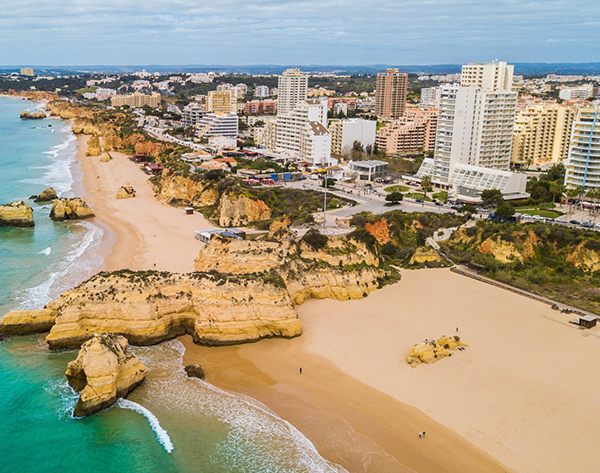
(418, 195)
(441, 196)
(397, 188)
(540, 212)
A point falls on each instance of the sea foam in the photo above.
(161, 434)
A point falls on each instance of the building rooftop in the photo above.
(370, 164)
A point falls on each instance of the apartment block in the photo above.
(268, 107)
(390, 94)
(542, 133)
(136, 100)
(221, 101)
(414, 132)
(345, 132)
(429, 96)
(349, 101)
(488, 76)
(218, 124)
(577, 93)
(192, 113)
(262, 91)
(27, 71)
(583, 163)
(293, 89)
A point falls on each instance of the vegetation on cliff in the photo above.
(551, 260)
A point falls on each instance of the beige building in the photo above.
(414, 132)
(27, 71)
(136, 100)
(390, 94)
(542, 133)
(222, 101)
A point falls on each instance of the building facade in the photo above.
(192, 113)
(345, 132)
(429, 96)
(268, 107)
(136, 100)
(390, 94)
(414, 132)
(221, 101)
(488, 76)
(293, 89)
(27, 71)
(583, 164)
(577, 93)
(218, 124)
(262, 92)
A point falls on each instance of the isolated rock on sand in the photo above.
(195, 371)
(47, 195)
(93, 147)
(103, 372)
(126, 192)
(70, 209)
(33, 116)
(17, 214)
(431, 351)
(106, 157)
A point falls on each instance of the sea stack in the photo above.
(47, 195)
(17, 214)
(70, 209)
(25, 115)
(103, 372)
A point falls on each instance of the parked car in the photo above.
(575, 222)
(419, 200)
(587, 225)
(560, 220)
(437, 202)
(538, 217)
(597, 225)
(481, 209)
(527, 215)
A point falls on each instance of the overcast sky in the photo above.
(305, 32)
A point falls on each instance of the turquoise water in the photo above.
(171, 423)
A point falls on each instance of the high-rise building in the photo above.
(293, 89)
(429, 96)
(390, 94)
(27, 71)
(222, 101)
(474, 134)
(414, 132)
(345, 132)
(583, 163)
(262, 91)
(542, 133)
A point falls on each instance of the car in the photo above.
(526, 215)
(574, 222)
(560, 220)
(597, 225)
(419, 200)
(437, 202)
(538, 217)
(587, 225)
(481, 209)
(449, 205)
(455, 207)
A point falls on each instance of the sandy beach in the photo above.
(521, 397)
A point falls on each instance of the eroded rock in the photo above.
(70, 209)
(47, 195)
(126, 192)
(16, 214)
(195, 371)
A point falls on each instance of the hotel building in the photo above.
(390, 94)
(136, 100)
(583, 163)
(414, 132)
(221, 101)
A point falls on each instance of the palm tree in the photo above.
(571, 194)
(593, 194)
(425, 183)
(556, 189)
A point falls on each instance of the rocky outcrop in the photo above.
(103, 372)
(70, 209)
(148, 307)
(46, 196)
(126, 192)
(22, 322)
(180, 190)
(93, 147)
(584, 258)
(17, 214)
(66, 110)
(431, 351)
(105, 157)
(425, 255)
(380, 230)
(25, 115)
(240, 210)
(195, 371)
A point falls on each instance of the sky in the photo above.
(302, 32)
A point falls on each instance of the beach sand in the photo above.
(523, 391)
(147, 232)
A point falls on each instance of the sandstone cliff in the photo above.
(46, 195)
(150, 307)
(22, 322)
(93, 147)
(17, 214)
(126, 192)
(103, 372)
(70, 209)
(66, 110)
(240, 210)
(174, 189)
(25, 115)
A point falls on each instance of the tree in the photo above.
(571, 194)
(504, 211)
(329, 182)
(468, 209)
(492, 197)
(394, 197)
(369, 150)
(425, 184)
(557, 190)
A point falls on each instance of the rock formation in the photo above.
(178, 190)
(22, 322)
(149, 307)
(17, 214)
(93, 147)
(431, 351)
(47, 195)
(70, 209)
(195, 371)
(126, 192)
(33, 116)
(103, 372)
(240, 210)
(105, 157)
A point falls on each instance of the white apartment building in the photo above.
(474, 134)
(262, 91)
(583, 163)
(293, 89)
(577, 93)
(213, 124)
(192, 113)
(429, 96)
(345, 132)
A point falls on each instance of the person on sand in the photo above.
(423, 433)
(420, 434)
(300, 370)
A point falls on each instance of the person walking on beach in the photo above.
(420, 434)
(301, 370)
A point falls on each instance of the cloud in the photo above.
(296, 31)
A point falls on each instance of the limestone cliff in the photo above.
(17, 214)
(103, 372)
(46, 195)
(126, 192)
(25, 115)
(93, 147)
(66, 110)
(240, 210)
(148, 307)
(22, 322)
(70, 209)
(175, 189)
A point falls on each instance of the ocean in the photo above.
(171, 423)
